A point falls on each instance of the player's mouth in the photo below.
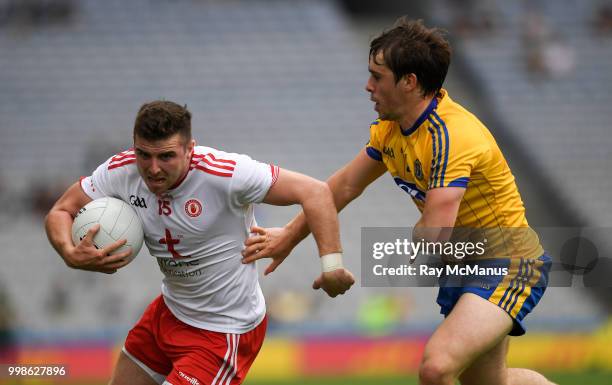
(156, 181)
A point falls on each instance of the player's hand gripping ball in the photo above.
(117, 220)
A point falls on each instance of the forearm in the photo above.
(58, 225)
(320, 216)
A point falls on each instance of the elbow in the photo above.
(321, 189)
(47, 219)
(317, 191)
(51, 214)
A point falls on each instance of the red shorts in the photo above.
(183, 354)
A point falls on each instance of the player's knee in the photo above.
(436, 371)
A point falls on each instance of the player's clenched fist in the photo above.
(334, 278)
(334, 282)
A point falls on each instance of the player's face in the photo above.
(385, 92)
(163, 163)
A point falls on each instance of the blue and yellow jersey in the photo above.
(449, 147)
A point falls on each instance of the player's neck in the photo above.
(414, 110)
(180, 179)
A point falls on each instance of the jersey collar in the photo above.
(432, 106)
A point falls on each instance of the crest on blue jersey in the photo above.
(418, 169)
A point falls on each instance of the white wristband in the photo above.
(331, 262)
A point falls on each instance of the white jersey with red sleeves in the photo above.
(196, 232)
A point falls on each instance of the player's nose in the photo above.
(368, 86)
(154, 168)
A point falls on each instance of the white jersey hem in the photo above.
(216, 328)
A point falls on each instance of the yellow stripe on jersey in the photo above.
(449, 147)
(533, 278)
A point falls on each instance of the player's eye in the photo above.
(143, 155)
(166, 156)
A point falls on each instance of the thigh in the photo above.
(206, 357)
(474, 326)
(127, 372)
(142, 344)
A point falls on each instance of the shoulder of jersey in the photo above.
(122, 159)
(455, 121)
(213, 162)
(381, 125)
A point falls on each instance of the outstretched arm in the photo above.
(317, 203)
(345, 184)
(320, 214)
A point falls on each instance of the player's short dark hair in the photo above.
(410, 47)
(162, 119)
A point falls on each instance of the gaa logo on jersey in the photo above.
(193, 208)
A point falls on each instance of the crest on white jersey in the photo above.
(193, 208)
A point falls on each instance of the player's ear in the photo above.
(409, 82)
(190, 146)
